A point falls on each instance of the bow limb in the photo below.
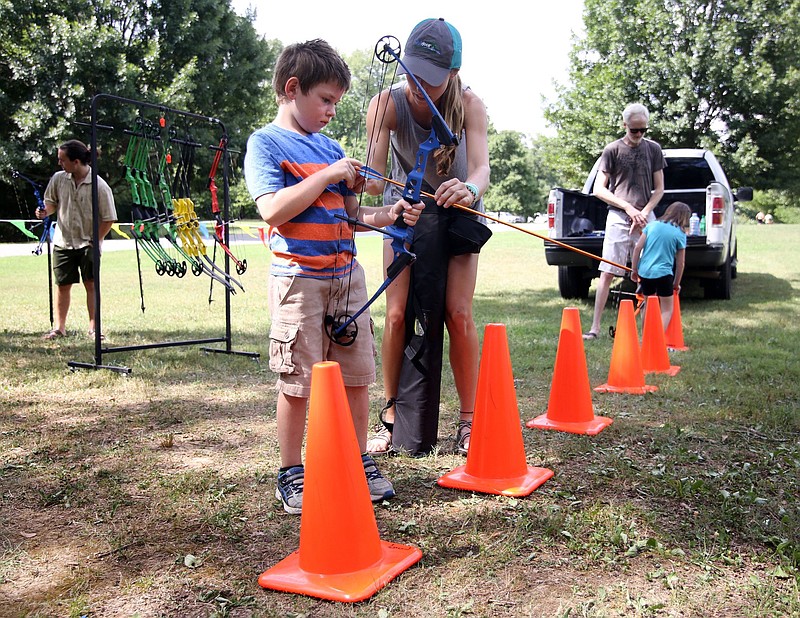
(403, 257)
(219, 224)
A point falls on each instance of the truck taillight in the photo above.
(551, 214)
(717, 210)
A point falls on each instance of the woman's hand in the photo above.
(454, 191)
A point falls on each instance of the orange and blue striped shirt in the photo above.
(314, 243)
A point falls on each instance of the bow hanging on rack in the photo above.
(219, 224)
(46, 236)
(343, 329)
(183, 221)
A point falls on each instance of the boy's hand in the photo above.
(410, 212)
(347, 170)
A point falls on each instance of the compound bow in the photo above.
(343, 329)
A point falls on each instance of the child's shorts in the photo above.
(298, 338)
(661, 286)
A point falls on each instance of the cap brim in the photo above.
(424, 70)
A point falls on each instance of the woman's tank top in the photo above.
(404, 143)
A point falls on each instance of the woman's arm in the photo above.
(476, 127)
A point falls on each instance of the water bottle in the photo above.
(703, 225)
(694, 225)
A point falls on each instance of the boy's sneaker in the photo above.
(290, 489)
(379, 487)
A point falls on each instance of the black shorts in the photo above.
(73, 265)
(661, 286)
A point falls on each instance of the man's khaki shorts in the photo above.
(619, 241)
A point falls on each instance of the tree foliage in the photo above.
(192, 55)
(717, 74)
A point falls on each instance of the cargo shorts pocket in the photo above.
(282, 337)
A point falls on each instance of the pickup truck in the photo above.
(694, 176)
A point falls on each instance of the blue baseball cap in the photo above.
(433, 49)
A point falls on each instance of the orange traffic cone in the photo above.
(341, 556)
(626, 374)
(570, 406)
(496, 458)
(655, 358)
(674, 334)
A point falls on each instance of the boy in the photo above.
(300, 179)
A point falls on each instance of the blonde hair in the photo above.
(677, 213)
(451, 107)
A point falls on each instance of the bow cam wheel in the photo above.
(387, 49)
(343, 336)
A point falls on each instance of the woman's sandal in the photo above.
(462, 436)
(53, 334)
(381, 442)
(590, 336)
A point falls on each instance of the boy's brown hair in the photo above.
(677, 213)
(313, 62)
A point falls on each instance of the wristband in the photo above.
(472, 189)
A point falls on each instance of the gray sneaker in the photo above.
(290, 489)
(379, 487)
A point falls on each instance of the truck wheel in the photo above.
(721, 288)
(573, 282)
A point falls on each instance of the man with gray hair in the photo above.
(630, 181)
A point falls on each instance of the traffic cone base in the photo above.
(630, 390)
(672, 370)
(524, 485)
(288, 576)
(655, 358)
(569, 407)
(589, 428)
(341, 556)
(496, 462)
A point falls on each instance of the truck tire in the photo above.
(574, 281)
(721, 288)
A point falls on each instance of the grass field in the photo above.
(151, 494)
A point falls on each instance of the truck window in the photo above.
(687, 173)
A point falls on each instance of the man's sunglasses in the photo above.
(643, 130)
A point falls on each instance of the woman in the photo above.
(400, 118)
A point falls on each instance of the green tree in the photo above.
(193, 55)
(721, 75)
(514, 185)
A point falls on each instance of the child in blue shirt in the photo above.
(300, 180)
(659, 257)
